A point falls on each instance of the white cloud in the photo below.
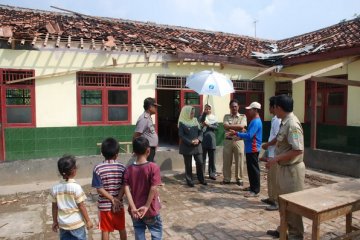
(241, 22)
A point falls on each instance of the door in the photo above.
(2, 147)
(171, 101)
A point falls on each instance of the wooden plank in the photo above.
(323, 56)
(326, 69)
(218, 58)
(336, 212)
(283, 220)
(264, 72)
(94, 69)
(298, 209)
(348, 222)
(336, 81)
(315, 229)
(323, 198)
(284, 75)
(127, 144)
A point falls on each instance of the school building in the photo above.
(69, 80)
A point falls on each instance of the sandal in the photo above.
(224, 183)
(251, 194)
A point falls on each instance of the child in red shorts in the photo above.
(108, 181)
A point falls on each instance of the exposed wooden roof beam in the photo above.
(284, 75)
(270, 69)
(338, 81)
(218, 59)
(324, 70)
(339, 53)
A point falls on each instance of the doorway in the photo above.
(171, 101)
(2, 134)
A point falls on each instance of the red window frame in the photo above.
(8, 75)
(182, 101)
(103, 82)
(248, 88)
(248, 101)
(324, 90)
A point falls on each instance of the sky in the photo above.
(275, 19)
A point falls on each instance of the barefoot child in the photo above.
(141, 181)
(68, 207)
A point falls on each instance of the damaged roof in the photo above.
(25, 24)
(341, 36)
(21, 24)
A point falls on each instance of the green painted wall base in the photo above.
(34, 143)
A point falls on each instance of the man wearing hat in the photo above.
(146, 128)
(252, 139)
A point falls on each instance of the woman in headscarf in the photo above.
(190, 135)
(209, 125)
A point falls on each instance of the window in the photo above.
(331, 103)
(18, 98)
(194, 99)
(247, 92)
(170, 82)
(103, 98)
(283, 88)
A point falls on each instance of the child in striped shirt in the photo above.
(108, 181)
(68, 207)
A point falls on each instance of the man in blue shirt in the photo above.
(252, 139)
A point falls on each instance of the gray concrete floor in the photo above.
(203, 212)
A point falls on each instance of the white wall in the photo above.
(56, 103)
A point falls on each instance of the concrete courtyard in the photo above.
(203, 212)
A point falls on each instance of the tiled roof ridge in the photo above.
(148, 23)
(319, 30)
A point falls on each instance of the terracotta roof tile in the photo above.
(21, 23)
(27, 23)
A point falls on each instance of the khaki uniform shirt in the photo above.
(238, 119)
(290, 137)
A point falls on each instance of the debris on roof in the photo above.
(39, 28)
(6, 31)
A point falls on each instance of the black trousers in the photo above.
(151, 156)
(211, 167)
(252, 164)
(199, 168)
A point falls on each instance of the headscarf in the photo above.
(210, 118)
(185, 119)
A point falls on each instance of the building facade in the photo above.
(68, 81)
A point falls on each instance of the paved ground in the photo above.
(204, 212)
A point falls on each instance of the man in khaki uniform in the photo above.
(289, 157)
(233, 146)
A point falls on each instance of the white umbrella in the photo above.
(210, 83)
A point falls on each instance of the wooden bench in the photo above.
(127, 144)
(322, 204)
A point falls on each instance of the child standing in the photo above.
(141, 181)
(68, 207)
(108, 180)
